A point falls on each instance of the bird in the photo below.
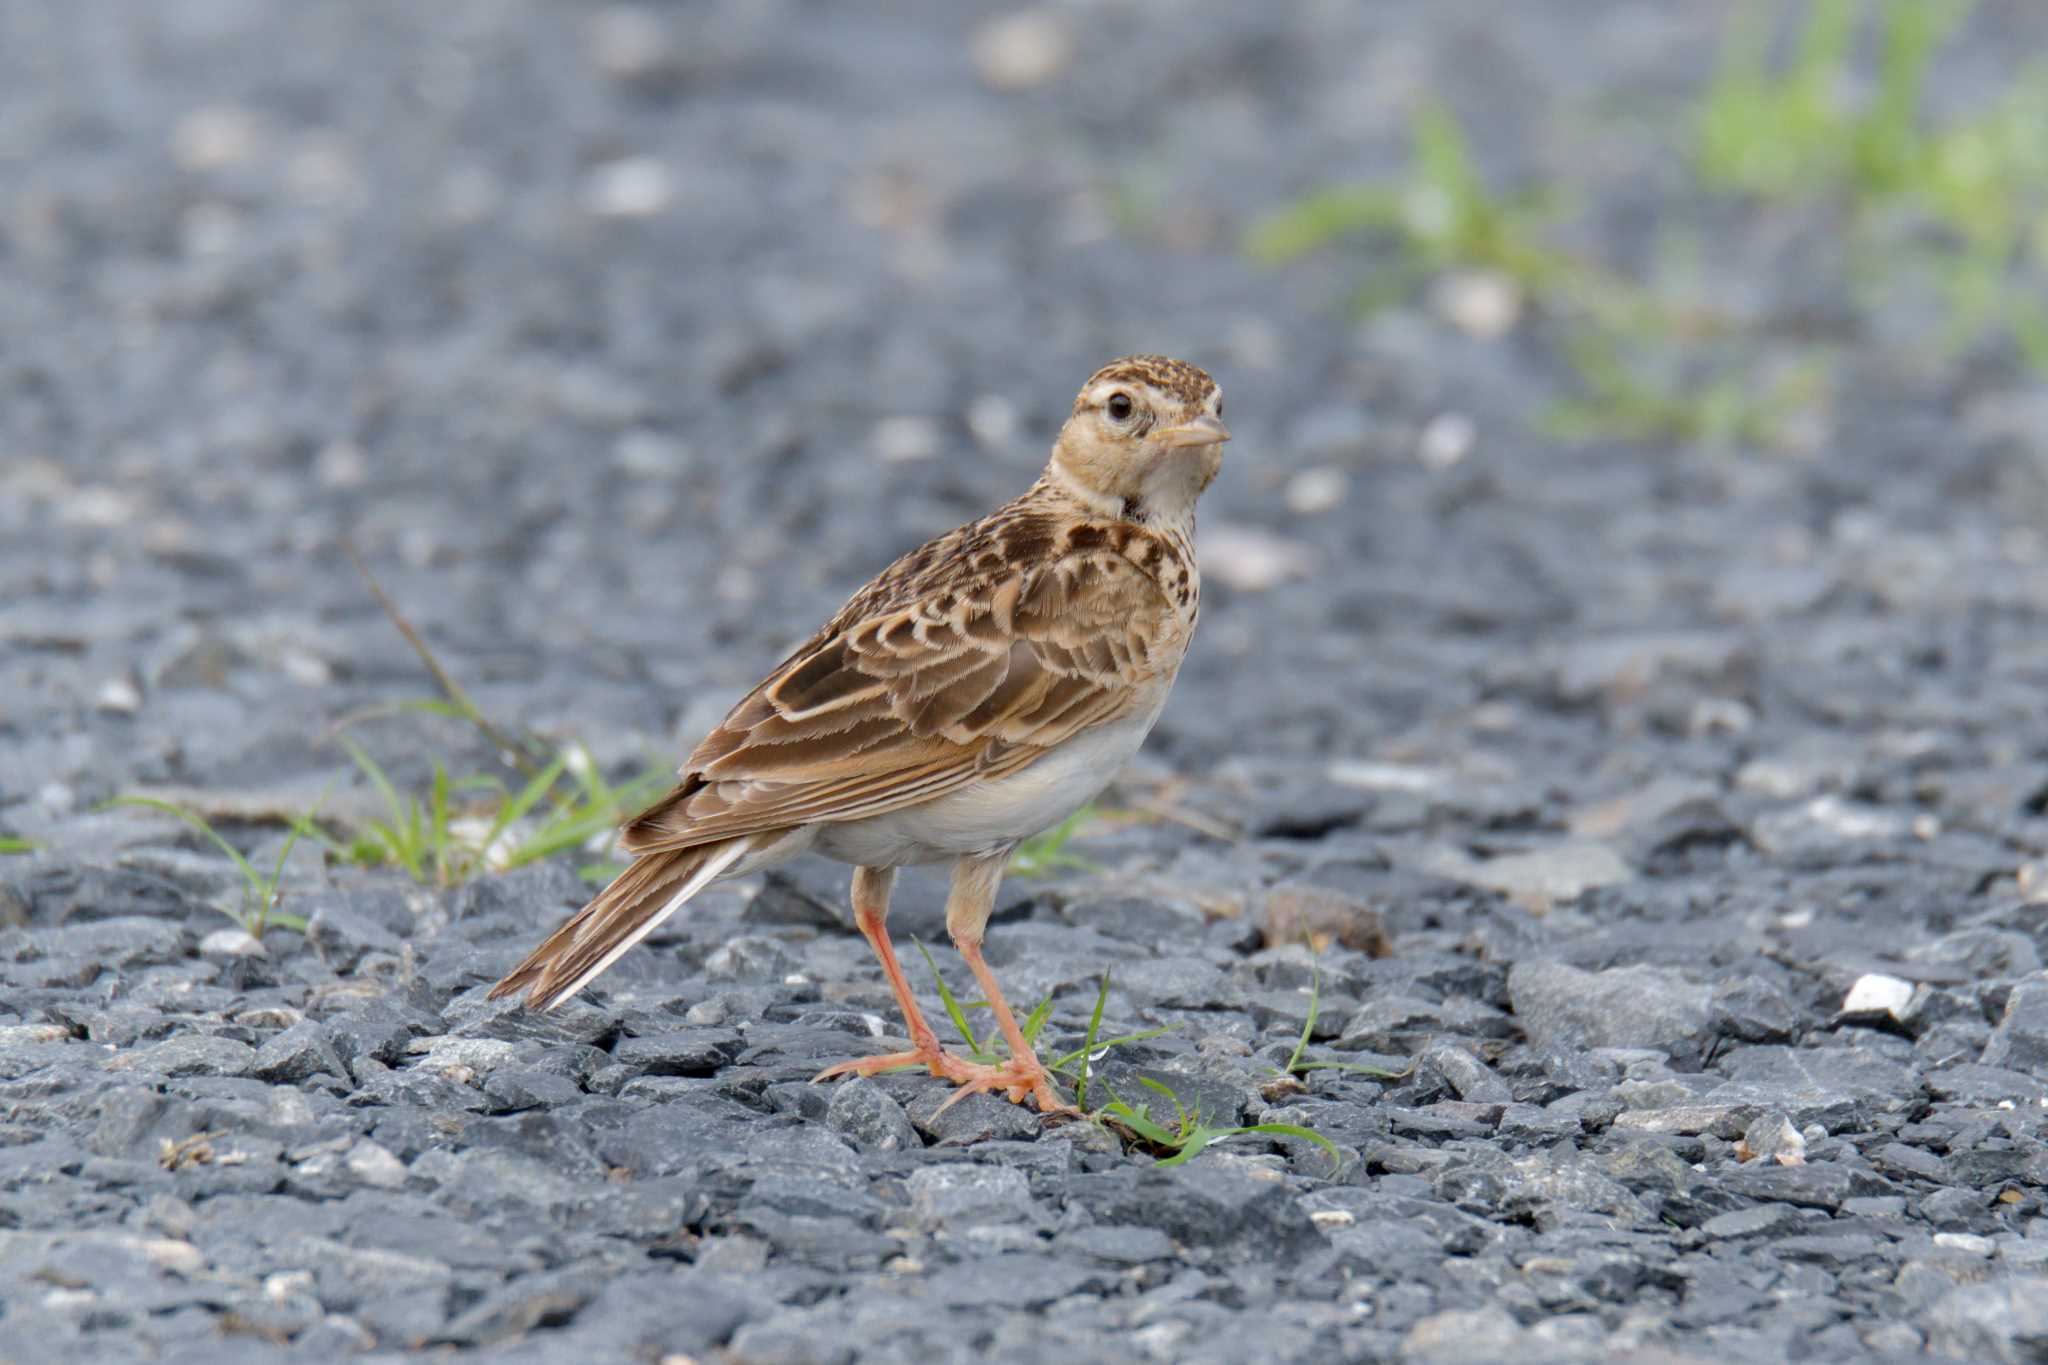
(978, 691)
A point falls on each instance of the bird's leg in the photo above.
(871, 886)
(967, 910)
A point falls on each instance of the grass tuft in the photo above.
(11, 844)
(1957, 205)
(1181, 1140)
(1043, 854)
(261, 892)
(465, 827)
(1299, 1063)
(1188, 1135)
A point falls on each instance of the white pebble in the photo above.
(206, 139)
(901, 440)
(1251, 560)
(1447, 439)
(630, 187)
(375, 1165)
(1968, 1242)
(1317, 490)
(231, 943)
(1023, 50)
(1874, 993)
(629, 43)
(1481, 303)
(992, 419)
(119, 696)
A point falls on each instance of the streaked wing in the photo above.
(952, 667)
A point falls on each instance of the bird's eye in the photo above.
(1119, 407)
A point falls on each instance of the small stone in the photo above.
(1022, 50)
(1471, 1078)
(628, 43)
(629, 187)
(1481, 303)
(1896, 1158)
(643, 454)
(300, 1051)
(686, 1052)
(1319, 489)
(375, 1029)
(2020, 1042)
(231, 943)
(751, 958)
(1771, 1137)
(1969, 1243)
(343, 937)
(907, 439)
(974, 1119)
(1446, 439)
(1465, 1334)
(1722, 1121)
(470, 1057)
(1756, 1221)
(2004, 1321)
(1318, 917)
(375, 1165)
(216, 136)
(958, 1195)
(870, 1118)
(1559, 1005)
(188, 1055)
(992, 421)
(1550, 876)
(119, 696)
(1252, 560)
(1752, 1010)
(1876, 996)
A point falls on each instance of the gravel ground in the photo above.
(1701, 797)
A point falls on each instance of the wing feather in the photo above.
(922, 684)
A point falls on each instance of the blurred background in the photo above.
(1619, 387)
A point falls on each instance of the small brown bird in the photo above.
(980, 690)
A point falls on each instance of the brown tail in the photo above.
(622, 914)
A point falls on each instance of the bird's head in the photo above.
(1145, 438)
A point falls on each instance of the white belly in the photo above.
(990, 815)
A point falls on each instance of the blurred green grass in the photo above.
(1837, 129)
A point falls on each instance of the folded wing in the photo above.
(918, 689)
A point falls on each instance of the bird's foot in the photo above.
(1019, 1079)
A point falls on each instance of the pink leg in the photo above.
(974, 885)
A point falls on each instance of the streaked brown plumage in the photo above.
(974, 693)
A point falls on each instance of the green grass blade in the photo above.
(1362, 1068)
(1035, 1021)
(1087, 1049)
(198, 823)
(529, 796)
(439, 839)
(1139, 1121)
(1320, 219)
(1042, 853)
(1315, 1004)
(1204, 1137)
(1191, 1142)
(10, 844)
(953, 1010)
(378, 778)
(1105, 1044)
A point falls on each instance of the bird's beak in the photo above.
(1203, 431)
